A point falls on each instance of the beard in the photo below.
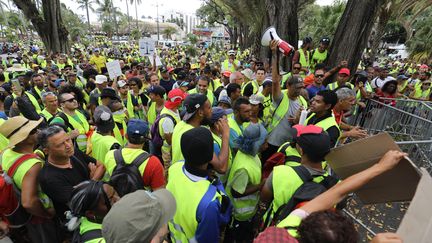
(206, 121)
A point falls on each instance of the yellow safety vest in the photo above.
(218, 141)
(254, 85)
(335, 85)
(304, 58)
(188, 195)
(82, 126)
(33, 100)
(282, 108)
(179, 129)
(245, 207)
(86, 226)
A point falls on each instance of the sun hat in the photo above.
(17, 129)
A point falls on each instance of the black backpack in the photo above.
(306, 192)
(126, 178)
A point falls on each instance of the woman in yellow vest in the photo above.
(244, 183)
(90, 202)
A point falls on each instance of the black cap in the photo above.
(315, 146)
(181, 75)
(325, 40)
(103, 119)
(156, 89)
(192, 103)
(197, 139)
(109, 93)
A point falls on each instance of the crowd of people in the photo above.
(205, 151)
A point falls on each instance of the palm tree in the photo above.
(136, 2)
(86, 4)
(168, 32)
(128, 17)
(104, 10)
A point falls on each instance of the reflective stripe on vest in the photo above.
(326, 123)
(83, 127)
(304, 58)
(335, 85)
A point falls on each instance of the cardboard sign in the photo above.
(396, 185)
(416, 225)
(114, 69)
(146, 47)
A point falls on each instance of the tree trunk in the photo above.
(352, 32)
(136, 14)
(282, 14)
(128, 18)
(235, 37)
(50, 27)
(383, 18)
(88, 17)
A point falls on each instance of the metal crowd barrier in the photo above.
(409, 122)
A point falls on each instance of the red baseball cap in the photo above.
(226, 74)
(175, 98)
(344, 71)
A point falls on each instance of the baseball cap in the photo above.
(181, 75)
(197, 139)
(217, 113)
(109, 93)
(192, 103)
(225, 100)
(164, 70)
(226, 73)
(325, 40)
(344, 71)
(184, 84)
(256, 99)
(58, 82)
(137, 128)
(231, 52)
(402, 76)
(121, 83)
(103, 118)
(156, 89)
(100, 79)
(314, 141)
(175, 98)
(266, 82)
(138, 216)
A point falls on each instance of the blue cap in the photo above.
(58, 81)
(137, 127)
(217, 113)
(402, 76)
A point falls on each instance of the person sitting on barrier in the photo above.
(317, 221)
(346, 99)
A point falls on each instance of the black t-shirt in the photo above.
(58, 183)
(167, 84)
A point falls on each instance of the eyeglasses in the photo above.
(69, 100)
(132, 84)
(319, 76)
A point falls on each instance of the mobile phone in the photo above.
(17, 84)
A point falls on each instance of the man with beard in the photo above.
(198, 112)
(317, 85)
(242, 109)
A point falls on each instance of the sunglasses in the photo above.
(319, 76)
(132, 84)
(297, 68)
(69, 100)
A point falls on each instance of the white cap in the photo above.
(100, 79)
(231, 52)
(121, 83)
(248, 73)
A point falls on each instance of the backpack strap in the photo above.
(284, 147)
(11, 171)
(293, 158)
(140, 159)
(63, 116)
(118, 157)
(303, 173)
(91, 235)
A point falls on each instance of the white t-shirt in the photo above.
(168, 124)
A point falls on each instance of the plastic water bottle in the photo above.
(303, 116)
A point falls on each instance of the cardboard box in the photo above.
(396, 185)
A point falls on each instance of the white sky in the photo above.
(146, 8)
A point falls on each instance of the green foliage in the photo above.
(135, 34)
(193, 39)
(168, 32)
(191, 51)
(73, 23)
(420, 45)
(320, 21)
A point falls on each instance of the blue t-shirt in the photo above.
(313, 90)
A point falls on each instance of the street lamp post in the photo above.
(157, 18)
